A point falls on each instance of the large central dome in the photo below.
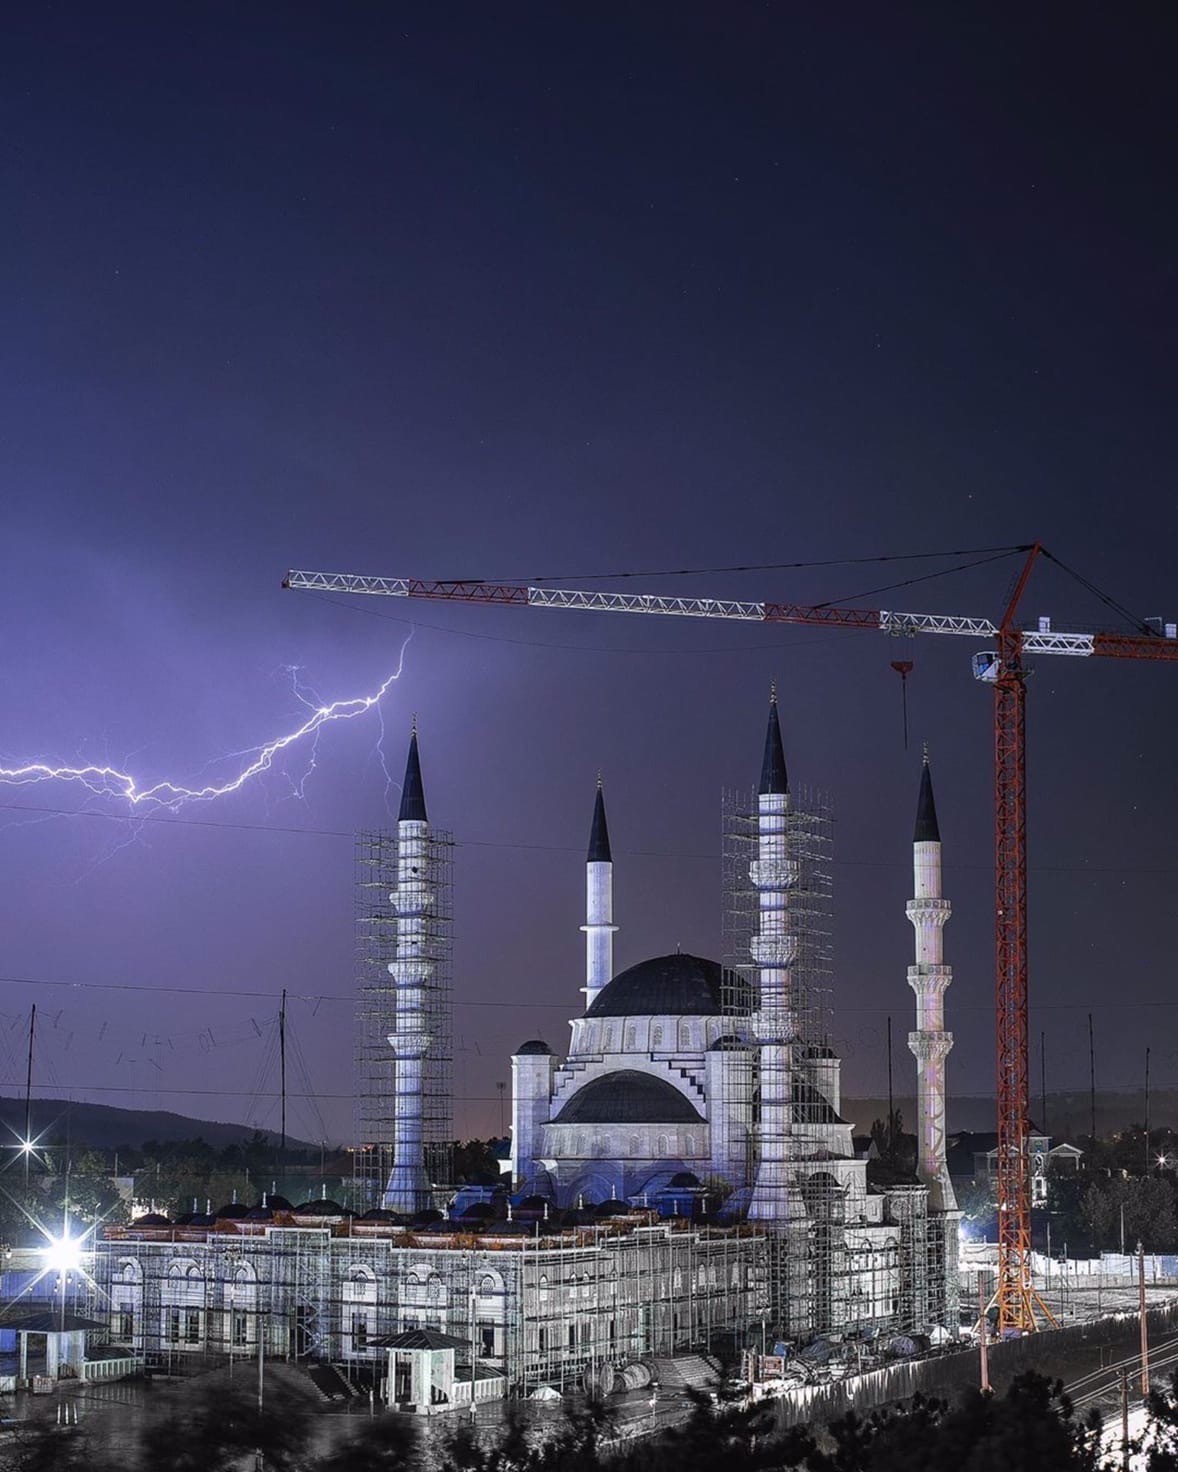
(665, 986)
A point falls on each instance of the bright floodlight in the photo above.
(26, 1147)
(63, 1254)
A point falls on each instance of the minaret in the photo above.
(928, 978)
(599, 905)
(773, 874)
(408, 1189)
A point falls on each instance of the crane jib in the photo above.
(1041, 640)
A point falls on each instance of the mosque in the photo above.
(677, 1072)
(682, 1176)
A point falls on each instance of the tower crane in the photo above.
(1000, 665)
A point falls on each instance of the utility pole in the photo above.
(282, 1071)
(1125, 1420)
(258, 1461)
(1144, 1324)
(27, 1142)
(891, 1105)
(983, 1331)
(1091, 1080)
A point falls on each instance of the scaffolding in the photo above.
(841, 1255)
(535, 1308)
(809, 828)
(376, 1014)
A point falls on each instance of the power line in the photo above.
(705, 856)
(679, 572)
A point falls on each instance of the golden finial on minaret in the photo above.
(772, 692)
(924, 753)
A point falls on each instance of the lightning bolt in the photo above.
(112, 782)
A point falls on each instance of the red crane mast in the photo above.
(1017, 1302)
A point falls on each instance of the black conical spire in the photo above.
(926, 809)
(412, 808)
(599, 834)
(774, 777)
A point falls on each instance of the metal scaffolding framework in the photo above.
(535, 1309)
(376, 1014)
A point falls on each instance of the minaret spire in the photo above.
(774, 777)
(408, 1188)
(599, 903)
(599, 851)
(929, 978)
(412, 808)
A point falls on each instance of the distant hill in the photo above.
(105, 1127)
(1068, 1113)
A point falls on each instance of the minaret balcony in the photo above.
(409, 899)
(928, 911)
(774, 950)
(773, 873)
(930, 1047)
(415, 971)
(929, 981)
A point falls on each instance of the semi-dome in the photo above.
(533, 1046)
(628, 1097)
(665, 986)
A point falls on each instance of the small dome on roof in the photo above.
(533, 1045)
(232, 1211)
(427, 1217)
(534, 1203)
(729, 1043)
(259, 1213)
(201, 1219)
(379, 1214)
(151, 1219)
(278, 1203)
(683, 1180)
(321, 1206)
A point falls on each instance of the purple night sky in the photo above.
(519, 293)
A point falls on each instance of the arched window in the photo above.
(662, 1147)
(656, 1038)
(688, 1145)
(631, 1038)
(635, 1145)
(685, 1034)
(609, 1040)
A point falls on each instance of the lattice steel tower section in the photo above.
(404, 933)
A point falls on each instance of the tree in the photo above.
(391, 1444)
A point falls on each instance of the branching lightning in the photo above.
(112, 782)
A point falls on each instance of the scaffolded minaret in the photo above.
(599, 905)
(775, 1023)
(929, 978)
(408, 1188)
